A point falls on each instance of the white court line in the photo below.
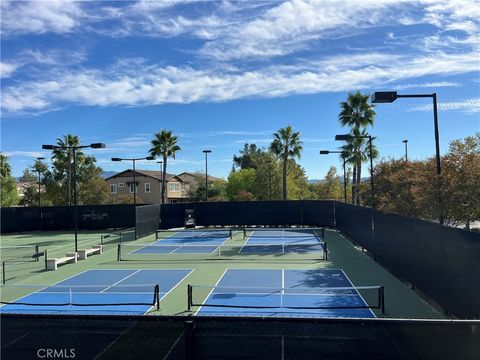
(46, 287)
(361, 297)
(210, 293)
(119, 281)
(168, 292)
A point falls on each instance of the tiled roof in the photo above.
(156, 174)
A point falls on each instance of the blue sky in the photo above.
(219, 74)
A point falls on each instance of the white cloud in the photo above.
(28, 154)
(467, 105)
(428, 85)
(6, 69)
(19, 17)
(146, 84)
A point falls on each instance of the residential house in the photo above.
(149, 186)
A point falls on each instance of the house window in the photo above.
(174, 186)
(130, 187)
(113, 188)
(147, 187)
(121, 184)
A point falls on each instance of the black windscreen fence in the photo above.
(147, 219)
(237, 213)
(52, 218)
(443, 262)
(159, 337)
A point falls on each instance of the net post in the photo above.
(244, 233)
(3, 273)
(230, 233)
(45, 258)
(157, 296)
(189, 340)
(325, 250)
(119, 252)
(36, 253)
(381, 296)
(101, 239)
(189, 297)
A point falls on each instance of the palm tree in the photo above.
(164, 144)
(357, 113)
(286, 145)
(63, 160)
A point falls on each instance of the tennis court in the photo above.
(186, 242)
(274, 241)
(105, 291)
(281, 292)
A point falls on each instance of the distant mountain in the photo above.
(313, 181)
(107, 174)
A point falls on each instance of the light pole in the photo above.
(347, 137)
(326, 152)
(206, 152)
(391, 96)
(39, 171)
(406, 150)
(133, 160)
(161, 180)
(74, 152)
(270, 163)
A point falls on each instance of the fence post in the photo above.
(36, 253)
(119, 252)
(3, 273)
(45, 256)
(189, 340)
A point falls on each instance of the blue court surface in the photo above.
(279, 241)
(182, 243)
(292, 293)
(132, 290)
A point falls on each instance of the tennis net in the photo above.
(194, 234)
(80, 295)
(284, 251)
(368, 297)
(20, 253)
(283, 233)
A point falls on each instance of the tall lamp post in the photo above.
(133, 160)
(39, 171)
(74, 152)
(391, 96)
(406, 149)
(270, 165)
(326, 152)
(161, 179)
(206, 152)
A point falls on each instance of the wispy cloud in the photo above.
(149, 84)
(428, 85)
(27, 154)
(467, 105)
(19, 17)
(6, 69)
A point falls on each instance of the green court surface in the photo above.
(208, 268)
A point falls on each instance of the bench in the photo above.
(52, 264)
(83, 253)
